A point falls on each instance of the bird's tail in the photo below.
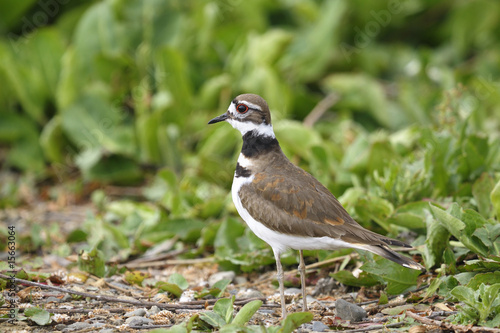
(388, 253)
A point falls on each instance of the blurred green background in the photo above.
(115, 87)
(119, 92)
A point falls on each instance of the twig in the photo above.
(375, 327)
(118, 288)
(143, 327)
(450, 326)
(153, 258)
(441, 314)
(311, 266)
(79, 310)
(320, 109)
(239, 301)
(103, 297)
(169, 262)
(92, 329)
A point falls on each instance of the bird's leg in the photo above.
(280, 281)
(302, 271)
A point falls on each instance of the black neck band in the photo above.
(258, 144)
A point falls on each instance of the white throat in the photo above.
(247, 126)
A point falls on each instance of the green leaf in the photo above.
(463, 294)
(453, 224)
(52, 140)
(495, 199)
(179, 280)
(246, 312)
(436, 242)
(221, 286)
(216, 291)
(93, 122)
(383, 299)
(169, 287)
(173, 72)
(476, 151)
(226, 239)
(399, 279)
(462, 225)
(375, 208)
(77, 235)
(380, 152)
(481, 190)
(135, 277)
(92, 262)
(11, 14)
(224, 308)
(294, 320)
(39, 316)
(393, 311)
(308, 56)
(495, 322)
(213, 319)
(411, 215)
(433, 287)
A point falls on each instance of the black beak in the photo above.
(222, 117)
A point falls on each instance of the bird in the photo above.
(286, 206)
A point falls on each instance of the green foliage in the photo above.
(398, 278)
(135, 277)
(121, 91)
(481, 305)
(92, 262)
(222, 319)
(175, 285)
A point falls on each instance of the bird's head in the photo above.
(248, 112)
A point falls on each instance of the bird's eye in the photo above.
(241, 108)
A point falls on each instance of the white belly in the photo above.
(281, 242)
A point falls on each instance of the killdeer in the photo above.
(284, 205)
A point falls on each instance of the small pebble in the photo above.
(138, 321)
(310, 299)
(324, 286)
(137, 312)
(160, 297)
(349, 311)
(214, 278)
(117, 322)
(66, 298)
(292, 291)
(240, 280)
(154, 310)
(249, 293)
(187, 296)
(77, 326)
(52, 299)
(318, 326)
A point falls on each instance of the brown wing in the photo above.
(289, 200)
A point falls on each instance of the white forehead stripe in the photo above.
(251, 105)
(232, 108)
